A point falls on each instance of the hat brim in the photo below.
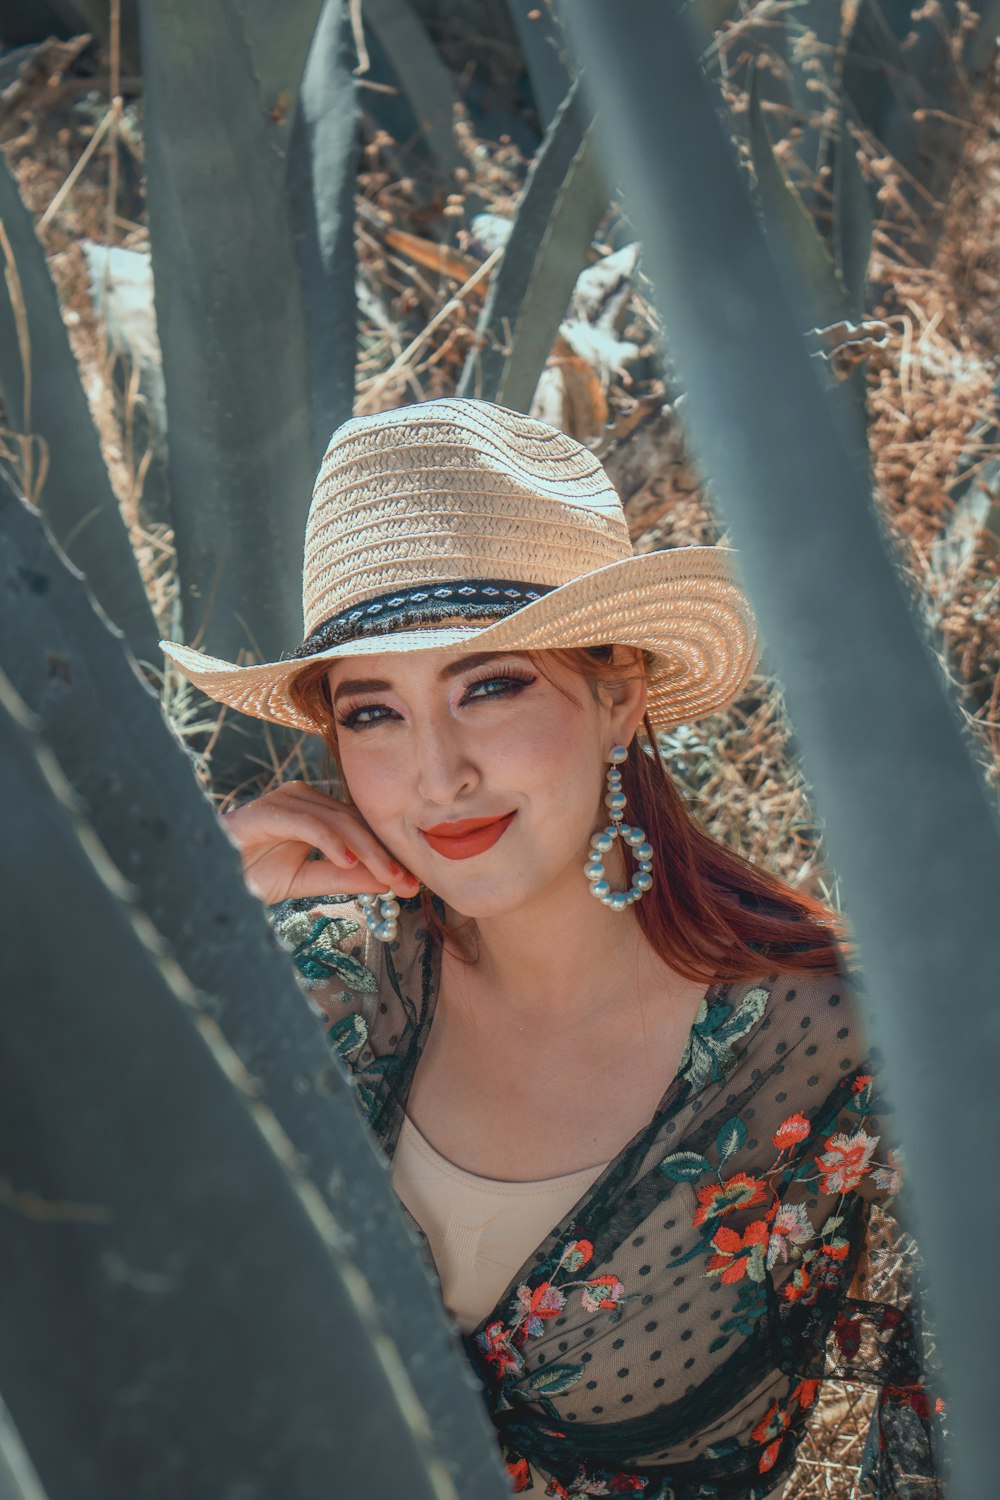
(682, 605)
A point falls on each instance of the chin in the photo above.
(481, 899)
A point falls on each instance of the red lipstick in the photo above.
(467, 836)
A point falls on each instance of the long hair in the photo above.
(711, 914)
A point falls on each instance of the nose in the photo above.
(445, 773)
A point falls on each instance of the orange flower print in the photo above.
(739, 1255)
(845, 1161)
(602, 1292)
(888, 1178)
(805, 1393)
(718, 1198)
(520, 1475)
(790, 1132)
(798, 1287)
(770, 1431)
(495, 1343)
(576, 1254)
(791, 1225)
(546, 1301)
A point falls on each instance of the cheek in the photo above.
(374, 781)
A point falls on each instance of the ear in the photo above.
(626, 695)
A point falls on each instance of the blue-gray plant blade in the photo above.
(813, 282)
(231, 329)
(421, 75)
(910, 829)
(18, 1476)
(278, 37)
(97, 16)
(913, 76)
(542, 44)
(321, 180)
(852, 221)
(107, 732)
(810, 37)
(182, 1313)
(77, 496)
(564, 199)
(707, 16)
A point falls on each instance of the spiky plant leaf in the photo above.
(196, 1320)
(278, 37)
(107, 732)
(321, 180)
(795, 233)
(232, 332)
(422, 76)
(913, 75)
(564, 199)
(542, 44)
(43, 396)
(707, 16)
(852, 220)
(911, 832)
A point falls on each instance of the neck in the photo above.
(564, 958)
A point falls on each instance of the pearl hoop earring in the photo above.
(381, 915)
(603, 839)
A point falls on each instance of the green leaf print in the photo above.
(685, 1166)
(353, 973)
(730, 1138)
(552, 1380)
(348, 1035)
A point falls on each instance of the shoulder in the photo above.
(811, 1032)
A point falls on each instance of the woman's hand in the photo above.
(278, 833)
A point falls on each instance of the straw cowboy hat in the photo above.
(458, 524)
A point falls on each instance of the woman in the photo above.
(640, 1134)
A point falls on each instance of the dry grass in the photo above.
(932, 406)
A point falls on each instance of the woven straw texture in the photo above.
(456, 490)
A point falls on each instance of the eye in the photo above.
(365, 715)
(502, 682)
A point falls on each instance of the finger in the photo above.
(318, 878)
(298, 811)
(279, 824)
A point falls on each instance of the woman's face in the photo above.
(481, 775)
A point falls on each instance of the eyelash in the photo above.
(513, 681)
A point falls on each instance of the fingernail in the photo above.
(396, 869)
(350, 856)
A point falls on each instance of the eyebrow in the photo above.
(453, 669)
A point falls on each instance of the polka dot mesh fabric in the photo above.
(669, 1337)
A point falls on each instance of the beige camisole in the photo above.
(480, 1231)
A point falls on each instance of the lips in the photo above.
(466, 837)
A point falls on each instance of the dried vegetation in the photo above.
(933, 425)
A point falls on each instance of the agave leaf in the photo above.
(97, 15)
(818, 295)
(872, 717)
(852, 221)
(564, 199)
(321, 178)
(919, 99)
(808, 36)
(422, 76)
(542, 44)
(707, 16)
(278, 37)
(76, 494)
(232, 332)
(107, 732)
(154, 1209)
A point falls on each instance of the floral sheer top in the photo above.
(669, 1337)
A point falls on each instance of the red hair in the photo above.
(711, 914)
